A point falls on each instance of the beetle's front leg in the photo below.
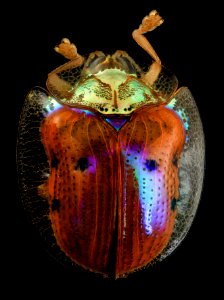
(55, 82)
(149, 23)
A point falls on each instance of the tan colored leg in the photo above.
(149, 23)
(58, 86)
(69, 51)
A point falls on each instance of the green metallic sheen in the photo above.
(111, 91)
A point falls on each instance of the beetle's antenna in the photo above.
(149, 23)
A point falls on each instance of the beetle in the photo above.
(111, 159)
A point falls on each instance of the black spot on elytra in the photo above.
(175, 161)
(173, 204)
(82, 164)
(55, 206)
(151, 164)
(54, 161)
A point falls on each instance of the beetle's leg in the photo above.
(55, 83)
(149, 23)
(69, 51)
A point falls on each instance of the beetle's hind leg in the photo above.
(149, 23)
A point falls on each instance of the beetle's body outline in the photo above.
(131, 117)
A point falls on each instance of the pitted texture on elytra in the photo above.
(98, 170)
(34, 172)
(149, 168)
(84, 181)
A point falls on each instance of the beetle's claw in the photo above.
(67, 49)
(65, 41)
(151, 21)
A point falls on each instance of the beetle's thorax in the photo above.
(111, 84)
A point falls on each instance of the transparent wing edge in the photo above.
(33, 169)
(191, 168)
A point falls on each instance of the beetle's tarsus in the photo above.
(150, 22)
(66, 41)
(67, 49)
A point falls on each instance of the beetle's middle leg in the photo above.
(149, 23)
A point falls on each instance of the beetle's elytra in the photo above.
(111, 159)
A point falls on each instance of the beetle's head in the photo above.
(120, 60)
